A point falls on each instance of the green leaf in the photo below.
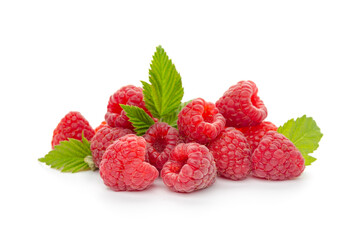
(164, 93)
(148, 98)
(308, 159)
(139, 118)
(69, 155)
(305, 135)
(171, 119)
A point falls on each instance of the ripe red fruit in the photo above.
(232, 154)
(241, 106)
(161, 139)
(123, 166)
(102, 124)
(190, 167)
(200, 121)
(277, 158)
(127, 95)
(103, 138)
(72, 126)
(255, 133)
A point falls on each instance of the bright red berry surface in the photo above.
(241, 106)
(277, 158)
(255, 133)
(123, 166)
(231, 152)
(190, 167)
(103, 138)
(127, 95)
(72, 126)
(200, 121)
(161, 139)
(102, 124)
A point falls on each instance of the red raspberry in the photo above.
(200, 121)
(102, 124)
(231, 152)
(190, 167)
(241, 106)
(123, 166)
(161, 139)
(255, 133)
(277, 158)
(72, 126)
(103, 138)
(128, 95)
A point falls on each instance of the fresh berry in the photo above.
(232, 154)
(190, 167)
(72, 126)
(102, 124)
(128, 95)
(241, 106)
(277, 158)
(123, 166)
(161, 139)
(103, 138)
(255, 133)
(200, 121)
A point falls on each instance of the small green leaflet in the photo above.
(164, 93)
(69, 156)
(305, 135)
(139, 118)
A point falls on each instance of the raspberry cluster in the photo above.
(148, 132)
(228, 139)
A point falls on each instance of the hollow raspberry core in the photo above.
(161, 138)
(190, 167)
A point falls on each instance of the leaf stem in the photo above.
(89, 160)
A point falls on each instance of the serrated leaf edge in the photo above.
(305, 152)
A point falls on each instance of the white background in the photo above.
(58, 56)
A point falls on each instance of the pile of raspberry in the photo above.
(229, 139)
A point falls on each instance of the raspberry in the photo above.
(200, 121)
(241, 106)
(103, 138)
(161, 139)
(72, 126)
(231, 152)
(128, 95)
(255, 133)
(123, 166)
(277, 158)
(190, 167)
(102, 124)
